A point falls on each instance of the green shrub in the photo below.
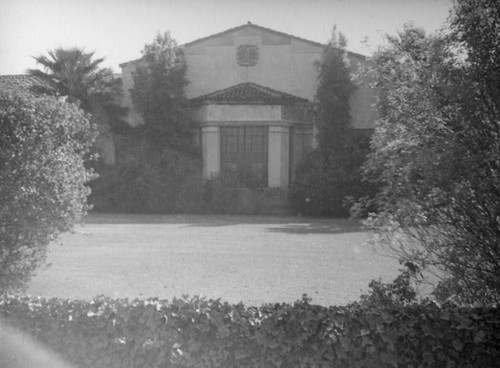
(149, 180)
(221, 198)
(43, 146)
(328, 186)
(209, 333)
(172, 183)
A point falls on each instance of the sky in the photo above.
(118, 29)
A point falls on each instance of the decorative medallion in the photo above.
(247, 55)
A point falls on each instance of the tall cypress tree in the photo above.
(335, 88)
(331, 173)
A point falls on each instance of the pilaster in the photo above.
(278, 167)
(210, 138)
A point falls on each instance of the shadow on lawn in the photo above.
(318, 228)
(295, 225)
(285, 224)
(186, 219)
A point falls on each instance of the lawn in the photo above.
(236, 258)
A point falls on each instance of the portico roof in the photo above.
(248, 93)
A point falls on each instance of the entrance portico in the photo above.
(246, 134)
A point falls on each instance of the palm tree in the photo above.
(75, 74)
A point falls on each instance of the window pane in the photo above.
(244, 156)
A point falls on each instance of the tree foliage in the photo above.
(335, 88)
(76, 74)
(159, 170)
(158, 93)
(436, 152)
(148, 180)
(331, 173)
(43, 142)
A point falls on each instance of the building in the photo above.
(23, 83)
(252, 91)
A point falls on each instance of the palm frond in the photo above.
(74, 73)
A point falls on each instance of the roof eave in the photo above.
(194, 102)
(254, 26)
(319, 44)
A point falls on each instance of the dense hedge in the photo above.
(147, 179)
(328, 186)
(220, 198)
(206, 333)
(172, 183)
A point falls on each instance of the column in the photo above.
(210, 148)
(279, 152)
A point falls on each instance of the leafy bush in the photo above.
(328, 186)
(221, 198)
(209, 333)
(149, 180)
(43, 144)
(435, 152)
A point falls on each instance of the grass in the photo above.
(236, 258)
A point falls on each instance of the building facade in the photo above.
(252, 91)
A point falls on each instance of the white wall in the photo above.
(219, 113)
(285, 64)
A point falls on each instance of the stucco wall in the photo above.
(284, 63)
(219, 113)
(278, 157)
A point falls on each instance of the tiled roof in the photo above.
(27, 83)
(22, 83)
(248, 93)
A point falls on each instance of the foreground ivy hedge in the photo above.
(196, 332)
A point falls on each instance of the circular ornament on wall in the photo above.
(247, 55)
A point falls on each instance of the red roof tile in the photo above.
(22, 83)
(249, 93)
(27, 83)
